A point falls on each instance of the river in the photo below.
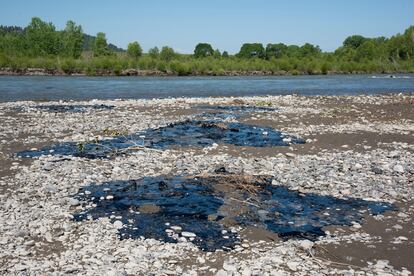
(14, 88)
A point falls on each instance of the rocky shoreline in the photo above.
(356, 147)
(158, 73)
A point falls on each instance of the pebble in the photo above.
(292, 265)
(118, 224)
(188, 234)
(94, 247)
(306, 245)
(176, 228)
(398, 169)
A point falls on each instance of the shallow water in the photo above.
(149, 206)
(13, 88)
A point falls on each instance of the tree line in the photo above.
(41, 45)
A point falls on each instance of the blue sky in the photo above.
(225, 24)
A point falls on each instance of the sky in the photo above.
(225, 24)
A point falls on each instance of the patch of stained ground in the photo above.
(202, 209)
(181, 134)
(58, 108)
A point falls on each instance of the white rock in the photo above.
(229, 267)
(398, 169)
(176, 228)
(292, 265)
(221, 272)
(358, 166)
(188, 234)
(201, 260)
(118, 224)
(73, 202)
(306, 244)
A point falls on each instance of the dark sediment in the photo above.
(187, 133)
(149, 206)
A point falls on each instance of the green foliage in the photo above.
(180, 68)
(251, 50)
(72, 38)
(203, 50)
(167, 53)
(276, 50)
(40, 45)
(134, 50)
(309, 50)
(217, 53)
(354, 41)
(154, 52)
(101, 46)
(42, 38)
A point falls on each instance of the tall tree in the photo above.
(167, 53)
(154, 52)
(276, 50)
(354, 41)
(203, 50)
(42, 38)
(134, 50)
(309, 50)
(249, 50)
(101, 46)
(73, 39)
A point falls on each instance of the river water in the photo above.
(14, 88)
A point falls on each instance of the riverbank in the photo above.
(355, 147)
(158, 73)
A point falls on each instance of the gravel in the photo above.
(39, 236)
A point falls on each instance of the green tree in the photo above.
(293, 51)
(72, 40)
(134, 50)
(354, 41)
(309, 50)
(154, 52)
(167, 53)
(225, 54)
(203, 50)
(371, 49)
(217, 53)
(249, 50)
(101, 46)
(276, 50)
(402, 46)
(42, 38)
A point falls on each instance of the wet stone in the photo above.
(181, 134)
(203, 206)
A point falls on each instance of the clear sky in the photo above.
(226, 24)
